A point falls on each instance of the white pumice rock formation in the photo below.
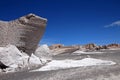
(24, 32)
(16, 60)
(44, 53)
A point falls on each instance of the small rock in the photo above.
(44, 53)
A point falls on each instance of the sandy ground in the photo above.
(106, 72)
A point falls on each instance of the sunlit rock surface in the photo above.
(43, 52)
(14, 60)
(25, 32)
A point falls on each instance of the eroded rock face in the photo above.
(9, 55)
(11, 59)
(63, 50)
(25, 32)
(90, 46)
(113, 45)
(55, 46)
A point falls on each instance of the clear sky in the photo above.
(70, 21)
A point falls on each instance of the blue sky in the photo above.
(70, 21)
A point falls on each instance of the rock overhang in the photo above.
(25, 32)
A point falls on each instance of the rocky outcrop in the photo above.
(113, 45)
(55, 46)
(65, 49)
(25, 32)
(93, 47)
(90, 46)
(60, 49)
(11, 59)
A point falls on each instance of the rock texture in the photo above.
(44, 53)
(11, 59)
(113, 45)
(90, 46)
(25, 32)
(55, 46)
(65, 49)
(58, 48)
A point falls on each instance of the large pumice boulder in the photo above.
(44, 53)
(25, 32)
(9, 55)
(11, 59)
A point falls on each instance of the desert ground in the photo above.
(96, 72)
